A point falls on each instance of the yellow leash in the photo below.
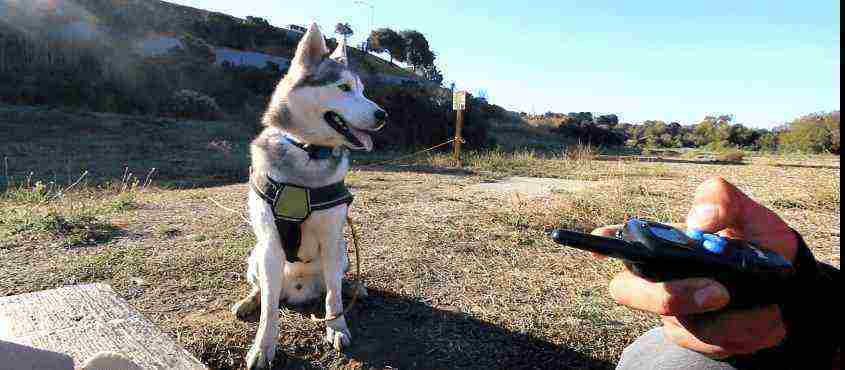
(359, 281)
(415, 153)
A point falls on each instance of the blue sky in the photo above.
(766, 62)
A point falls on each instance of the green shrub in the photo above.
(423, 116)
(815, 133)
(193, 105)
(768, 142)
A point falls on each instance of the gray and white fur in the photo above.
(317, 88)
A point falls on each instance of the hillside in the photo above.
(144, 57)
(134, 20)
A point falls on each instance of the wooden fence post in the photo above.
(459, 105)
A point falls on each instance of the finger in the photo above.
(608, 231)
(676, 297)
(598, 255)
(734, 332)
(612, 230)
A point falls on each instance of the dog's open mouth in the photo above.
(359, 139)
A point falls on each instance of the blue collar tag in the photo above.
(314, 151)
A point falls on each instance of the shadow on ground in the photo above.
(18, 356)
(391, 331)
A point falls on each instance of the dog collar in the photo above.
(314, 151)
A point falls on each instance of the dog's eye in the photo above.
(345, 88)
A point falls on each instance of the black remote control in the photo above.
(658, 252)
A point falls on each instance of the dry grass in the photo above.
(730, 156)
(580, 152)
(457, 279)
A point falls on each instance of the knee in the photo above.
(653, 350)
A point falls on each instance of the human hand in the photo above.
(690, 308)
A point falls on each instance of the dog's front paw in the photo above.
(260, 357)
(245, 307)
(337, 334)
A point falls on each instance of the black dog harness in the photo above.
(292, 204)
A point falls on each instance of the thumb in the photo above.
(706, 217)
(717, 205)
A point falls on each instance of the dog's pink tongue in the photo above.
(364, 138)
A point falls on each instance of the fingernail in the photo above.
(711, 297)
(702, 215)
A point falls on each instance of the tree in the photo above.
(742, 136)
(656, 134)
(481, 94)
(814, 133)
(343, 29)
(609, 120)
(257, 21)
(433, 74)
(768, 142)
(675, 128)
(386, 39)
(418, 52)
(713, 130)
(581, 119)
(831, 121)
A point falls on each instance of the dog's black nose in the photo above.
(381, 115)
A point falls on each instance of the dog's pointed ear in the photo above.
(312, 48)
(339, 54)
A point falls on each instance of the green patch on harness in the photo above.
(292, 203)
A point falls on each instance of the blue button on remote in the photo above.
(714, 243)
(695, 234)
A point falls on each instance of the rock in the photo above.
(53, 329)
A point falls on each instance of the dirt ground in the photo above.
(457, 278)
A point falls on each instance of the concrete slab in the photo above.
(533, 186)
(61, 328)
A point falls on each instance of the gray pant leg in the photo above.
(653, 351)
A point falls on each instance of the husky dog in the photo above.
(317, 113)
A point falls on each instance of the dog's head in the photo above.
(321, 101)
